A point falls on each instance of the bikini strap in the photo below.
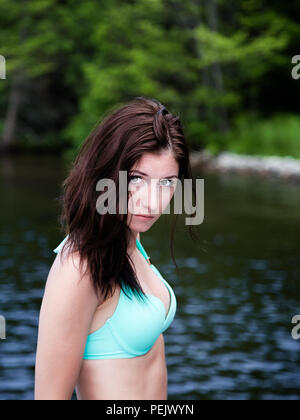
(142, 250)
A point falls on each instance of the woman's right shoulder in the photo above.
(66, 274)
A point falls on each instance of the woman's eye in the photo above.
(171, 182)
(134, 177)
(164, 182)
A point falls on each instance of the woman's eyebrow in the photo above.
(143, 173)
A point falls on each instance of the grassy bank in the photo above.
(250, 135)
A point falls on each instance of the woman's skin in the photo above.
(71, 310)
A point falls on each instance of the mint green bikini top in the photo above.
(135, 324)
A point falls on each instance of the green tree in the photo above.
(69, 63)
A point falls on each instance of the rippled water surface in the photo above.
(237, 289)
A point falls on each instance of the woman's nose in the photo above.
(150, 198)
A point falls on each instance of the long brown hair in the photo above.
(141, 126)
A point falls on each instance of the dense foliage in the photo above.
(225, 66)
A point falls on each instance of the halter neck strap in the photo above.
(142, 250)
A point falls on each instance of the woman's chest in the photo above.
(150, 281)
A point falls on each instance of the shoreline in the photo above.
(285, 168)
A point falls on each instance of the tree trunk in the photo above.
(197, 20)
(216, 70)
(14, 101)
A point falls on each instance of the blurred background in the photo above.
(226, 68)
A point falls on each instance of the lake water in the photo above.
(237, 289)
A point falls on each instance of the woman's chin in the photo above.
(140, 227)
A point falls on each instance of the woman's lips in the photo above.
(142, 217)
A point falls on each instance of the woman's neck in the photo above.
(132, 244)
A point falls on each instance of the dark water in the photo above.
(237, 289)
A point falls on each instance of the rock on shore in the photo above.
(283, 167)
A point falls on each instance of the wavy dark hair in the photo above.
(141, 126)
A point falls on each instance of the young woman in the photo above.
(105, 305)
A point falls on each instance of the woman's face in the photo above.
(151, 184)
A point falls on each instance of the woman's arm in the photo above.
(67, 310)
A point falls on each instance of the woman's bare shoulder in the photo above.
(66, 271)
